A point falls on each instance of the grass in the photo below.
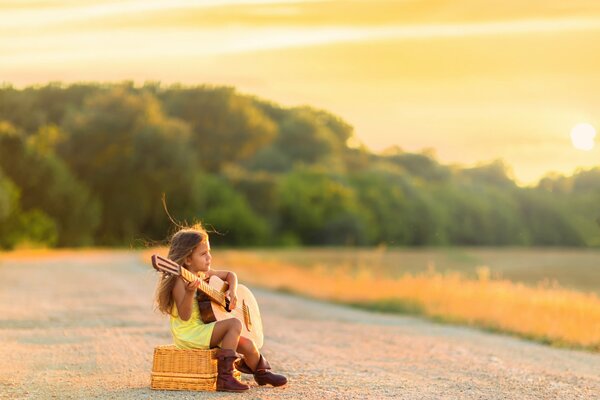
(544, 311)
(577, 269)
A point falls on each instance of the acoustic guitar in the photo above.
(217, 309)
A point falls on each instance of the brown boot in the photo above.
(262, 375)
(226, 382)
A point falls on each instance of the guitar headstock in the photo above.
(162, 264)
(165, 265)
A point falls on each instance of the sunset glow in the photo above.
(582, 136)
(472, 84)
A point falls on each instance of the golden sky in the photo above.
(474, 80)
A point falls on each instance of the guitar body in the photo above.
(246, 310)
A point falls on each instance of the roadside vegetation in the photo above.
(87, 164)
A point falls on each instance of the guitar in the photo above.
(217, 309)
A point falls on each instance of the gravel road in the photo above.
(81, 325)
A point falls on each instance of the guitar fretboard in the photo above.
(211, 292)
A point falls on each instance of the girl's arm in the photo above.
(231, 278)
(183, 294)
(228, 276)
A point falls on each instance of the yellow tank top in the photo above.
(193, 333)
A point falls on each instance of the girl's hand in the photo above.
(190, 287)
(232, 296)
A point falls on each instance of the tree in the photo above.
(226, 127)
(481, 214)
(496, 173)
(17, 226)
(418, 165)
(46, 184)
(320, 209)
(547, 224)
(381, 194)
(33, 107)
(307, 138)
(129, 153)
(225, 210)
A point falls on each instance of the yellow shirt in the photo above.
(193, 333)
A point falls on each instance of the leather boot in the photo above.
(262, 375)
(226, 382)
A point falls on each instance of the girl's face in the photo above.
(199, 260)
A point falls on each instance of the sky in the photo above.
(468, 82)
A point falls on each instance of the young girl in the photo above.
(189, 247)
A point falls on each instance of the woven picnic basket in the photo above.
(178, 369)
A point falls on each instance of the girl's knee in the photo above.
(235, 324)
(245, 344)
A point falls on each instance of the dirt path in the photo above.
(81, 325)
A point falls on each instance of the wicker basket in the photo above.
(177, 369)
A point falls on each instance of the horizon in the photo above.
(508, 82)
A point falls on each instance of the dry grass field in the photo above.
(577, 269)
(549, 296)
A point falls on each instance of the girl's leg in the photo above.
(254, 363)
(227, 333)
(248, 349)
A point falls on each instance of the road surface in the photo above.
(81, 325)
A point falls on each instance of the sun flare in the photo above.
(582, 136)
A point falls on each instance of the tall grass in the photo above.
(545, 312)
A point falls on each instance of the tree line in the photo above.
(87, 164)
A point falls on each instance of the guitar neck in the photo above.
(211, 292)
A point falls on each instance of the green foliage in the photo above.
(228, 212)
(258, 188)
(426, 223)
(16, 226)
(128, 152)
(88, 164)
(383, 194)
(270, 158)
(495, 174)
(226, 126)
(9, 195)
(37, 228)
(36, 106)
(586, 182)
(10, 229)
(306, 136)
(418, 165)
(482, 215)
(321, 209)
(576, 200)
(546, 223)
(48, 186)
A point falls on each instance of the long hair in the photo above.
(182, 244)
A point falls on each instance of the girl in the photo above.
(189, 247)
